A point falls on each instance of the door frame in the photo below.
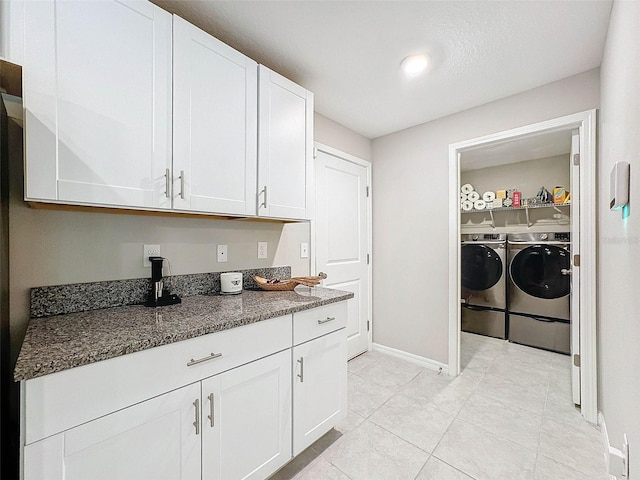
(321, 147)
(586, 123)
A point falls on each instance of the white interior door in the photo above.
(575, 271)
(343, 218)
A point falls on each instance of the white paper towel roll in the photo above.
(473, 196)
(467, 188)
(489, 196)
(466, 205)
(479, 204)
(463, 197)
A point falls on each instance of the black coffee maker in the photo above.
(159, 296)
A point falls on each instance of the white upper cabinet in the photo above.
(97, 94)
(285, 143)
(127, 106)
(215, 96)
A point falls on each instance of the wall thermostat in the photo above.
(619, 186)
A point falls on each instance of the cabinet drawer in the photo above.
(57, 402)
(319, 321)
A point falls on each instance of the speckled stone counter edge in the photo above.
(82, 297)
(41, 355)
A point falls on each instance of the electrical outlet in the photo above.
(262, 249)
(149, 251)
(222, 253)
(304, 250)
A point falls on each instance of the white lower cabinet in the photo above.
(319, 387)
(263, 394)
(155, 439)
(246, 420)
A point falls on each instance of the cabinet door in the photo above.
(156, 439)
(214, 124)
(246, 417)
(319, 387)
(97, 94)
(285, 142)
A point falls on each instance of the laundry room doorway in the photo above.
(571, 138)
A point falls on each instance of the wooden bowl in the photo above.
(287, 284)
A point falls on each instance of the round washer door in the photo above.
(481, 267)
(536, 270)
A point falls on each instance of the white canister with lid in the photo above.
(230, 283)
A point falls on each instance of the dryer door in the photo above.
(538, 271)
(481, 267)
(482, 278)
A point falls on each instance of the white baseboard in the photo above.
(410, 357)
(608, 449)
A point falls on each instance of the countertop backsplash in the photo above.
(82, 297)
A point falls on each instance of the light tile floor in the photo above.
(509, 415)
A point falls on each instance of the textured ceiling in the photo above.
(348, 52)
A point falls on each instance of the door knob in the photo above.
(322, 275)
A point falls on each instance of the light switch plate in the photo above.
(304, 250)
(222, 253)
(262, 249)
(149, 251)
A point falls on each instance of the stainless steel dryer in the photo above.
(483, 264)
(539, 290)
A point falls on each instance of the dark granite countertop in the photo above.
(59, 342)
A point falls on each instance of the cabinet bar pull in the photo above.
(301, 374)
(167, 183)
(264, 203)
(182, 184)
(203, 359)
(211, 404)
(328, 319)
(197, 422)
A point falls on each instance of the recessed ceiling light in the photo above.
(415, 64)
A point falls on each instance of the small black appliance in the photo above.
(159, 295)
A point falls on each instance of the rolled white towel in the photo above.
(463, 197)
(473, 196)
(479, 205)
(467, 188)
(489, 196)
(467, 205)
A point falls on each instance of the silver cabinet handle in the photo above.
(264, 203)
(181, 177)
(565, 271)
(328, 319)
(167, 183)
(301, 374)
(211, 406)
(197, 422)
(203, 359)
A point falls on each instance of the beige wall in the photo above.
(619, 239)
(527, 177)
(410, 213)
(54, 247)
(340, 137)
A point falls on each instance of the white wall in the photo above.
(618, 239)
(410, 213)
